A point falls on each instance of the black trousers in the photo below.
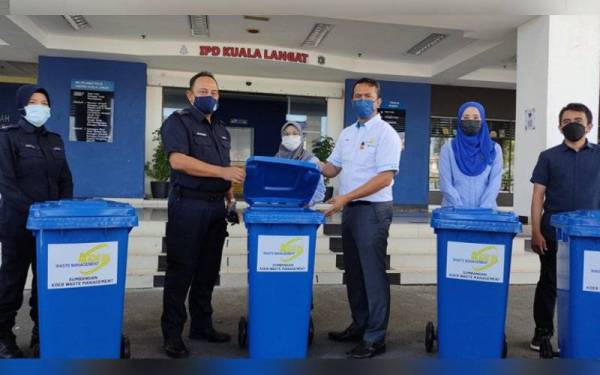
(365, 232)
(196, 232)
(18, 254)
(545, 292)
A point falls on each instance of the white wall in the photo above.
(154, 98)
(335, 124)
(532, 85)
(251, 84)
(335, 117)
(558, 63)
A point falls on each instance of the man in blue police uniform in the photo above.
(566, 178)
(33, 168)
(367, 157)
(198, 150)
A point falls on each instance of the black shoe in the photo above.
(210, 335)
(350, 334)
(9, 349)
(366, 350)
(540, 333)
(175, 348)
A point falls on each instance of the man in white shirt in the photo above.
(367, 157)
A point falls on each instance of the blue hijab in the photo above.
(25, 92)
(473, 153)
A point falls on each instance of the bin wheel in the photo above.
(546, 351)
(311, 331)
(505, 348)
(430, 336)
(125, 347)
(243, 333)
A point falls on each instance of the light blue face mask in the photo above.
(363, 108)
(37, 114)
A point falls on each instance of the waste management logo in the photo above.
(82, 265)
(93, 259)
(282, 253)
(475, 262)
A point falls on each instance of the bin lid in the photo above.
(81, 214)
(582, 223)
(475, 219)
(282, 215)
(280, 182)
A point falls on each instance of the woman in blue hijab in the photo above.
(471, 164)
(292, 147)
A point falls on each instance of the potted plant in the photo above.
(158, 169)
(322, 148)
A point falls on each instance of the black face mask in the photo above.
(573, 131)
(470, 127)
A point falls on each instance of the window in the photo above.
(314, 112)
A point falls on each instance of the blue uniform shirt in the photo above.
(188, 132)
(572, 181)
(33, 168)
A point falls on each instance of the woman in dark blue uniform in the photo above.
(33, 168)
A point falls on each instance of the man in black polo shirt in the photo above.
(566, 178)
(198, 150)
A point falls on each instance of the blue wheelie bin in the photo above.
(578, 285)
(81, 267)
(474, 248)
(281, 255)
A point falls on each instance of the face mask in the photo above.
(37, 114)
(470, 127)
(291, 142)
(573, 131)
(206, 104)
(363, 108)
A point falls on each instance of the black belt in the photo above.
(200, 195)
(359, 203)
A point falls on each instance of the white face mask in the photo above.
(291, 142)
(37, 114)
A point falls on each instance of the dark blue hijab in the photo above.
(473, 153)
(25, 92)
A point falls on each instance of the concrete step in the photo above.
(239, 278)
(145, 245)
(239, 245)
(325, 262)
(421, 277)
(324, 245)
(422, 245)
(239, 231)
(142, 263)
(149, 229)
(405, 230)
(519, 261)
(139, 281)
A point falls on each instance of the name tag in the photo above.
(57, 149)
(201, 134)
(30, 146)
